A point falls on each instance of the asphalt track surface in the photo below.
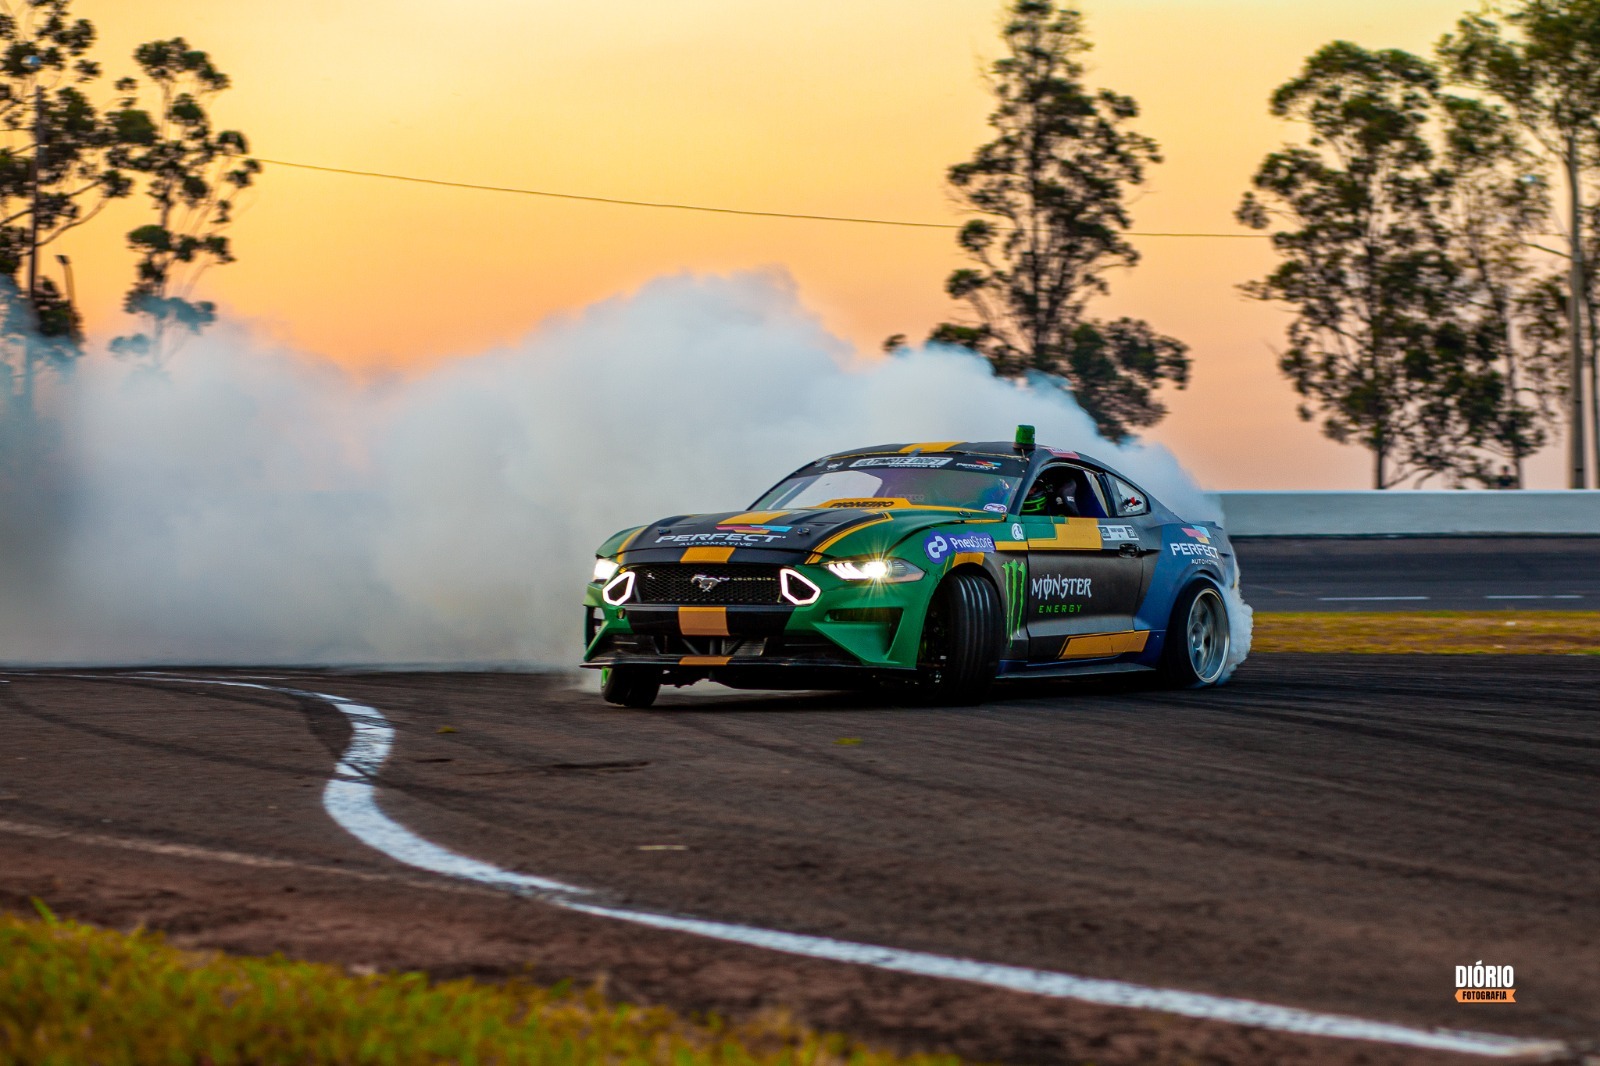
(1420, 573)
(1327, 832)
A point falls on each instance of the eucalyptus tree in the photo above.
(44, 68)
(1542, 60)
(1378, 344)
(1498, 205)
(194, 172)
(1050, 195)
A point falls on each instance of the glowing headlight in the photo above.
(885, 570)
(797, 588)
(606, 569)
(618, 589)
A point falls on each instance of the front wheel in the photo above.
(961, 640)
(630, 686)
(1198, 638)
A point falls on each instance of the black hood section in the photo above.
(763, 536)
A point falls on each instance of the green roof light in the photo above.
(1024, 438)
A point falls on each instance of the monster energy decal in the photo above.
(1016, 572)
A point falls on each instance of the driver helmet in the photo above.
(1036, 500)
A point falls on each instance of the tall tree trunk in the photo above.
(1594, 383)
(1576, 288)
(1511, 389)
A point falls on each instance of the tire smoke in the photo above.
(259, 506)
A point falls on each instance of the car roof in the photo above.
(955, 447)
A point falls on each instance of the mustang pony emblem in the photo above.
(707, 582)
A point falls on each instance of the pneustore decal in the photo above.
(919, 461)
(939, 545)
(1485, 984)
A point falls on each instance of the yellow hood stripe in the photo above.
(751, 518)
(821, 549)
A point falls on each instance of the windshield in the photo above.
(968, 482)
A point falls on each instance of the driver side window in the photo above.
(1065, 492)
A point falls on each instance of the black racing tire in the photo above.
(961, 640)
(630, 686)
(1198, 640)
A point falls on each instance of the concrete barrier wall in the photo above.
(1402, 512)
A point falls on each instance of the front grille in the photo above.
(730, 585)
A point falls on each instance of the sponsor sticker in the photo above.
(1056, 587)
(1485, 984)
(997, 508)
(755, 529)
(1118, 533)
(885, 501)
(939, 545)
(1193, 550)
(1055, 594)
(719, 538)
(977, 464)
(1016, 531)
(972, 542)
(1199, 533)
(1015, 573)
(915, 461)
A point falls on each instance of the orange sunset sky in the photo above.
(829, 106)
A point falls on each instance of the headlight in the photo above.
(618, 589)
(606, 569)
(889, 571)
(797, 588)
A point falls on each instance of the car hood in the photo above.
(781, 536)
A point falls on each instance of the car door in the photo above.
(1084, 571)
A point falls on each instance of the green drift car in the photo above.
(942, 565)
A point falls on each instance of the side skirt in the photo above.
(1012, 669)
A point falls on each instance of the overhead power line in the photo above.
(677, 207)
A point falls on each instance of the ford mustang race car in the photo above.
(943, 565)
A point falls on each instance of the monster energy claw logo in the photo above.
(1016, 595)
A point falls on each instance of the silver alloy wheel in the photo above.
(1208, 636)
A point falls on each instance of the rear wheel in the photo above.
(1198, 640)
(961, 639)
(630, 686)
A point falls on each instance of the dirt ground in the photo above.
(1329, 832)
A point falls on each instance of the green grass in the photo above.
(1436, 632)
(72, 993)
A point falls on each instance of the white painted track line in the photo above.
(1371, 599)
(351, 800)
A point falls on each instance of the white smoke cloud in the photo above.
(261, 507)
